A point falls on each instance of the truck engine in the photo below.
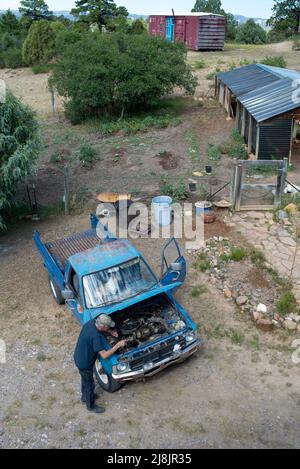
(146, 323)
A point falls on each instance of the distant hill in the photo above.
(241, 19)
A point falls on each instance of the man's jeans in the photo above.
(88, 387)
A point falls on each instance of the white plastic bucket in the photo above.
(162, 210)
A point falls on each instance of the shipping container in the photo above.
(199, 31)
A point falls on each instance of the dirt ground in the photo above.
(228, 396)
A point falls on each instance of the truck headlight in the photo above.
(190, 337)
(122, 367)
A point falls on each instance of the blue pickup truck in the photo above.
(95, 274)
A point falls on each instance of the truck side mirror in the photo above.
(68, 295)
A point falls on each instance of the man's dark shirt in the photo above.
(90, 343)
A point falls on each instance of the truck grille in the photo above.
(155, 353)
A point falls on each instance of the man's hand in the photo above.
(121, 344)
(114, 333)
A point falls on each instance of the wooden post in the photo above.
(237, 117)
(52, 100)
(257, 142)
(239, 187)
(292, 138)
(244, 122)
(66, 190)
(250, 134)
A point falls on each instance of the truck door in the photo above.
(173, 268)
(73, 283)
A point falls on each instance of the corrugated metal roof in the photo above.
(245, 79)
(265, 91)
(271, 101)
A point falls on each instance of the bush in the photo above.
(41, 68)
(296, 44)
(65, 38)
(19, 147)
(276, 61)
(177, 191)
(113, 74)
(87, 154)
(251, 33)
(287, 304)
(12, 58)
(39, 45)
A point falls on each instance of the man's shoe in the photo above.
(97, 409)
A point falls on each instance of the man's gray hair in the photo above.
(104, 320)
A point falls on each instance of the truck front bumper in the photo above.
(177, 357)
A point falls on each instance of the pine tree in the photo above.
(99, 12)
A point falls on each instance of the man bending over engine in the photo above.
(90, 344)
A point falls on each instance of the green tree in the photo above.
(286, 17)
(138, 26)
(9, 23)
(35, 10)
(251, 33)
(19, 148)
(100, 12)
(39, 45)
(113, 74)
(215, 6)
(208, 6)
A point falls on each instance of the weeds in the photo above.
(193, 145)
(203, 262)
(200, 64)
(41, 68)
(87, 154)
(214, 153)
(274, 61)
(257, 257)
(139, 124)
(177, 191)
(287, 304)
(198, 291)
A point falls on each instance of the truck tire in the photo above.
(56, 292)
(107, 382)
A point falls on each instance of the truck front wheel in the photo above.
(107, 382)
(56, 292)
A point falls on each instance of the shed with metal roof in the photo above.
(265, 101)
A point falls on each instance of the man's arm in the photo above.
(108, 353)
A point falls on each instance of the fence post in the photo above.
(66, 190)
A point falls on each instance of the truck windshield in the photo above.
(117, 283)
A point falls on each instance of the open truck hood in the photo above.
(134, 300)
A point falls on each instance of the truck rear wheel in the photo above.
(56, 292)
(107, 382)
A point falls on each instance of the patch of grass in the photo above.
(200, 64)
(41, 357)
(236, 337)
(274, 61)
(133, 125)
(211, 76)
(202, 262)
(193, 145)
(238, 254)
(214, 152)
(254, 343)
(236, 137)
(257, 257)
(287, 304)
(177, 191)
(41, 68)
(218, 332)
(199, 290)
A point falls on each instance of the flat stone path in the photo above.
(276, 240)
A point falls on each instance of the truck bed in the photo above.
(64, 248)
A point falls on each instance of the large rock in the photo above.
(290, 325)
(265, 325)
(241, 300)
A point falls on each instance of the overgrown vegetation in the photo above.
(177, 191)
(112, 78)
(19, 148)
(287, 304)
